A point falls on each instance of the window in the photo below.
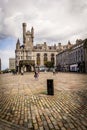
(40, 47)
(52, 58)
(29, 58)
(45, 58)
(38, 59)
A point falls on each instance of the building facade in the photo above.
(73, 58)
(28, 55)
(11, 63)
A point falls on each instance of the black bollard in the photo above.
(50, 87)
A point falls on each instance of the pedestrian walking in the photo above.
(22, 72)
(36, 75)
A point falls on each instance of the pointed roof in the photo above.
(18, 41)
(69, 42)
(32, 28)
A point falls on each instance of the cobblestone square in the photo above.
(25, 105)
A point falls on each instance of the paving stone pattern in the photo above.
(25, 105)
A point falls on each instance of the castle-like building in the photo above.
(28, 56)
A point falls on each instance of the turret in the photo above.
(28, 37)
(59, 45)
(32, 33)
(69, 44)
(55, 46)
(45, 45)
(18, 44)
(24, 32)
(78, 41)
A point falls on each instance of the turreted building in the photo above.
(29, 55)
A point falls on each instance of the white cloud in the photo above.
(49, 18)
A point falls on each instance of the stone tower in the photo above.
(24, 32)
(28, 37)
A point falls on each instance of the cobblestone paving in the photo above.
(25, 105)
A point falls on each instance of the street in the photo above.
(25, 105)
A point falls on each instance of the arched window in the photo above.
(38, 59)
(45, 58)
(52, 58)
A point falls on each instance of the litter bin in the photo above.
(50, 87)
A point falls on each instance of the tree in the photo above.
(49, 64)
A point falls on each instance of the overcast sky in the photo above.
(54, 21)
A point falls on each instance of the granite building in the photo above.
(62, 58)
(73, 58)
(28, 56)
(11, 63)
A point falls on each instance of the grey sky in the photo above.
(53, 20)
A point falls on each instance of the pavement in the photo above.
(25, 104)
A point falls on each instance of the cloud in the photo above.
(53, 20)
(77, 7)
